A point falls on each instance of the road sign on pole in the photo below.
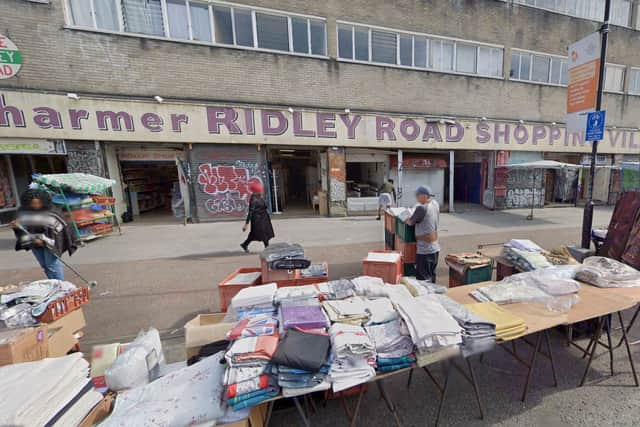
(595, 126)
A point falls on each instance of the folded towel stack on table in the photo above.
(262, 324)
(254, 300)
(351, 310)
(479, 334)
(307, 317)
(339, 289)
(525, 254)
(248, 377)
(608, 273)
(353, 356)
(431, 327)
(508, 326)
(394, 348)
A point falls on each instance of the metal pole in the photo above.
(451, 180)
(399, 185)
(587, 218)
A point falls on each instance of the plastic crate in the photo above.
(65, 304)
(271, 276)
(407, 250)
(409, 269)
(227, 291)
(390, 272)
(389, 222)
(470, 275)
(389, 240)
(101, 228)
(405, 232)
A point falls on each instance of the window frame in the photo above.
(532, 53)
(413, 34)
(634, 70)
(69, 24)
(624, 78)
(566, 12)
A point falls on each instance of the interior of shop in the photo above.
(297, 180)
(366, 171)
(150, 188)
(24, 166)
(469, 177)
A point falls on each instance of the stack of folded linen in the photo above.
(285, 256)
(262, 324)
(351, 310)
(380, 310)
(306, 317)
(301, 360)
(421, 287)
(479, 334)
(508, 326)
(254, 300)
(608, 273)
(374, 287)
(353, 356)
(339, 289)
(509, 291)
(291, 294)
(393, 344)
(247, 379)
(525, 254)
(431, 327)
(52, 392)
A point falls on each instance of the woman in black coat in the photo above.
(258, 217)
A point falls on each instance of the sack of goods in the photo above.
(285, 256)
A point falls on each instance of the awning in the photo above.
(544, 164)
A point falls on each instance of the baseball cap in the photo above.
(426, 190)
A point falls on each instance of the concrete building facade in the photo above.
(446, 92)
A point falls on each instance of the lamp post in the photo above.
(587, 217)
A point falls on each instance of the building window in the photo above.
(614, 78)
(204, 21)
(634, 81)
(538, 67)
(588, 9)
(383, 46)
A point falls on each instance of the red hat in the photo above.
(255, 187)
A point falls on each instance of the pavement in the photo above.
(162, 275)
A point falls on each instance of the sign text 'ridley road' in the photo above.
(30, 116)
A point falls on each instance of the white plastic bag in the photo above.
(139, 363)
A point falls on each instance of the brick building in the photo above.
(186, 102)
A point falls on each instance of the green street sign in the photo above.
(10, 58)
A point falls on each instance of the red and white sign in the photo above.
(10, 58)
(582, 90)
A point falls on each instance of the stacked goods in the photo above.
(508, 326)
(385, 265)
(286, 265)
(525, 254)
(52, 392)
(84, 198)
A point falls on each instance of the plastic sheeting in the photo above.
(608, 273)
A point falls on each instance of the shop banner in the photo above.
(31, 146)
(582, 89)
(32, 115)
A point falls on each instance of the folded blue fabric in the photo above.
(253, 401)
(251, 395)
(396, 360)
(390, 368)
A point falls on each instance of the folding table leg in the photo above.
(609, 341)
(626, 342)
(410, 377)
(304, 417)
(476, 388)
(269, 413)
(553, 365)
(390, 405)
(592, 349)
(356, 411)
(629, 326)
(447, 372)
(531, 366)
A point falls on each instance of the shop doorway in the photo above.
(295, 180)
(154, 185)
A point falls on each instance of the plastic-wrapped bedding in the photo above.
(608, 273)
(290, 264)
(278, 251)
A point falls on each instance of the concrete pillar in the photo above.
(635, 11)
(337, 181)
(451, 172)
(399, 190)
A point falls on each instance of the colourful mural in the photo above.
(228, 187)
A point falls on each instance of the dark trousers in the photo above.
(426, 265)
(246, 242)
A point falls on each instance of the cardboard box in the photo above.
(23, 345)
(257, 417)
(205, 329)
(99, 412)
(65, 332)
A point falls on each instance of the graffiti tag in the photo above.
(228, 187)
